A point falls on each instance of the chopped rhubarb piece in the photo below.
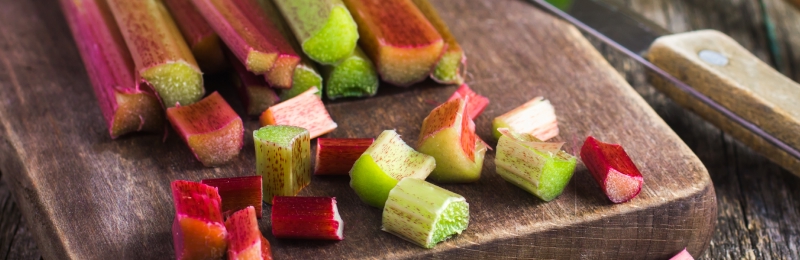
(159, 51)
(266, 249)
(337, 155)
(283, 159)
(540, 168)
(476, 103)
(683, 255)
(447, 136)
(202, 40)
(238, 193)
(453, 64)
(306, 218)
(126, 106)
(252, 37)
(211, 129)
(325, 28)
(355, 76)
(244, 237)
(198, 231)
(423, 213)
(396, 35)
(387, 161)
(613, 170)
(305, 110)
(255, 93)
(536, 117)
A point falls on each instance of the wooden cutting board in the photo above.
(89, 197)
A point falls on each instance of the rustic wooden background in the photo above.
(759, 203)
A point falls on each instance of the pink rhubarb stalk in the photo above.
(336, 156)
(211, 129)
(238, 193)
(255, 93)
(126, 105)
(198, 231)
(202, 40)
(613, 170)
(476, 103)
(306, 218)
(305, 110)
(252, 37)
(244, 238)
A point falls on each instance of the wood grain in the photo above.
(89, 197)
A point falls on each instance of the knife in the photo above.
(704, 71)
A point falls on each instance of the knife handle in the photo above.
(720, 68)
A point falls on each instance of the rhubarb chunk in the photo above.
(540, 168)
(423, 213)
(252, 37)
(536, 117)
(198, 231)
(238, 193)
(244, 237)
(126, 107)
(211, 129)
(202, 40)
(453, 64)
(283, 159)
(306, 218)
(447, 136)
(399, 39)
(475, 103)
(324, 28)
(355, 76)
(613, 170)
(387, 161)
(683, 255)
(306, 77)
(338, 155)
(255, 93)
(305, 110)
(159, 51)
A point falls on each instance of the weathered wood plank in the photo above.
(16, 242)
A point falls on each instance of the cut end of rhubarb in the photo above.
(254, 91)
(211, 129)
(475, 102)
(423, 213)
(306, 218)
(336, 156)
(238, 193)
(613, 170)
(198, 231)
(449, 136)
(283, 159)
(452, 65)
(683, 255)
(176, 83)
(536, 117)
(244, 237)
(259, 62)
(336, 40)
(353, 77)
(282, 71)
(305, 110)
(305, 77)
(137, 112)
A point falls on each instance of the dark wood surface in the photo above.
(757, 200)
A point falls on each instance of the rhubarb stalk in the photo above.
(211, 129)
(160, 53)
(475, 102)
(283, 159)
(355, 76)
(324, 28)
(306, 218)
(613, 170)
(338, 155)
(305, 110)
(423, 213)
(536, 117)
(399, 39)
(453, 64)
(255, 93)
(202, 40)
(197, 231)
(126, 107)
(238, 193)
(245, 241)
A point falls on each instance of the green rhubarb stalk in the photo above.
(324, 28)
(283, 159)
(423, 213)
(355, 76)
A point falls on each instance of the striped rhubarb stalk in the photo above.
(396, 35)
(336, 156)
(476, 103)
(211, 129)
(613, 170)
(453, 64)
(245, 241)
(306, 218)
(305, 110)
(161, 55)
(238, 193)
(202, 40)
(252, 37)
(283, 159)
(126, 106)
(324, 28)
(536, 117)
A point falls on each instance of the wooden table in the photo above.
(759, 203)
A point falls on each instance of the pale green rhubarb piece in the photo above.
(324, 28)
(423, 213)
(448, 134)
(387, 161)
(160, 53)
(540, 168)
(283, 159)
(355, 76)
(453, 63)
(536, 117)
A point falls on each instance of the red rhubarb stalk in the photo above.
(306, 218)
(198, 231)
(203, 41)
(211, 129)
(244, 238)
(305, 110)
(476, 103)
(255, 93)
(238, 193)
(336, 156)
(613, 170)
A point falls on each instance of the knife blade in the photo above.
(705, 71)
